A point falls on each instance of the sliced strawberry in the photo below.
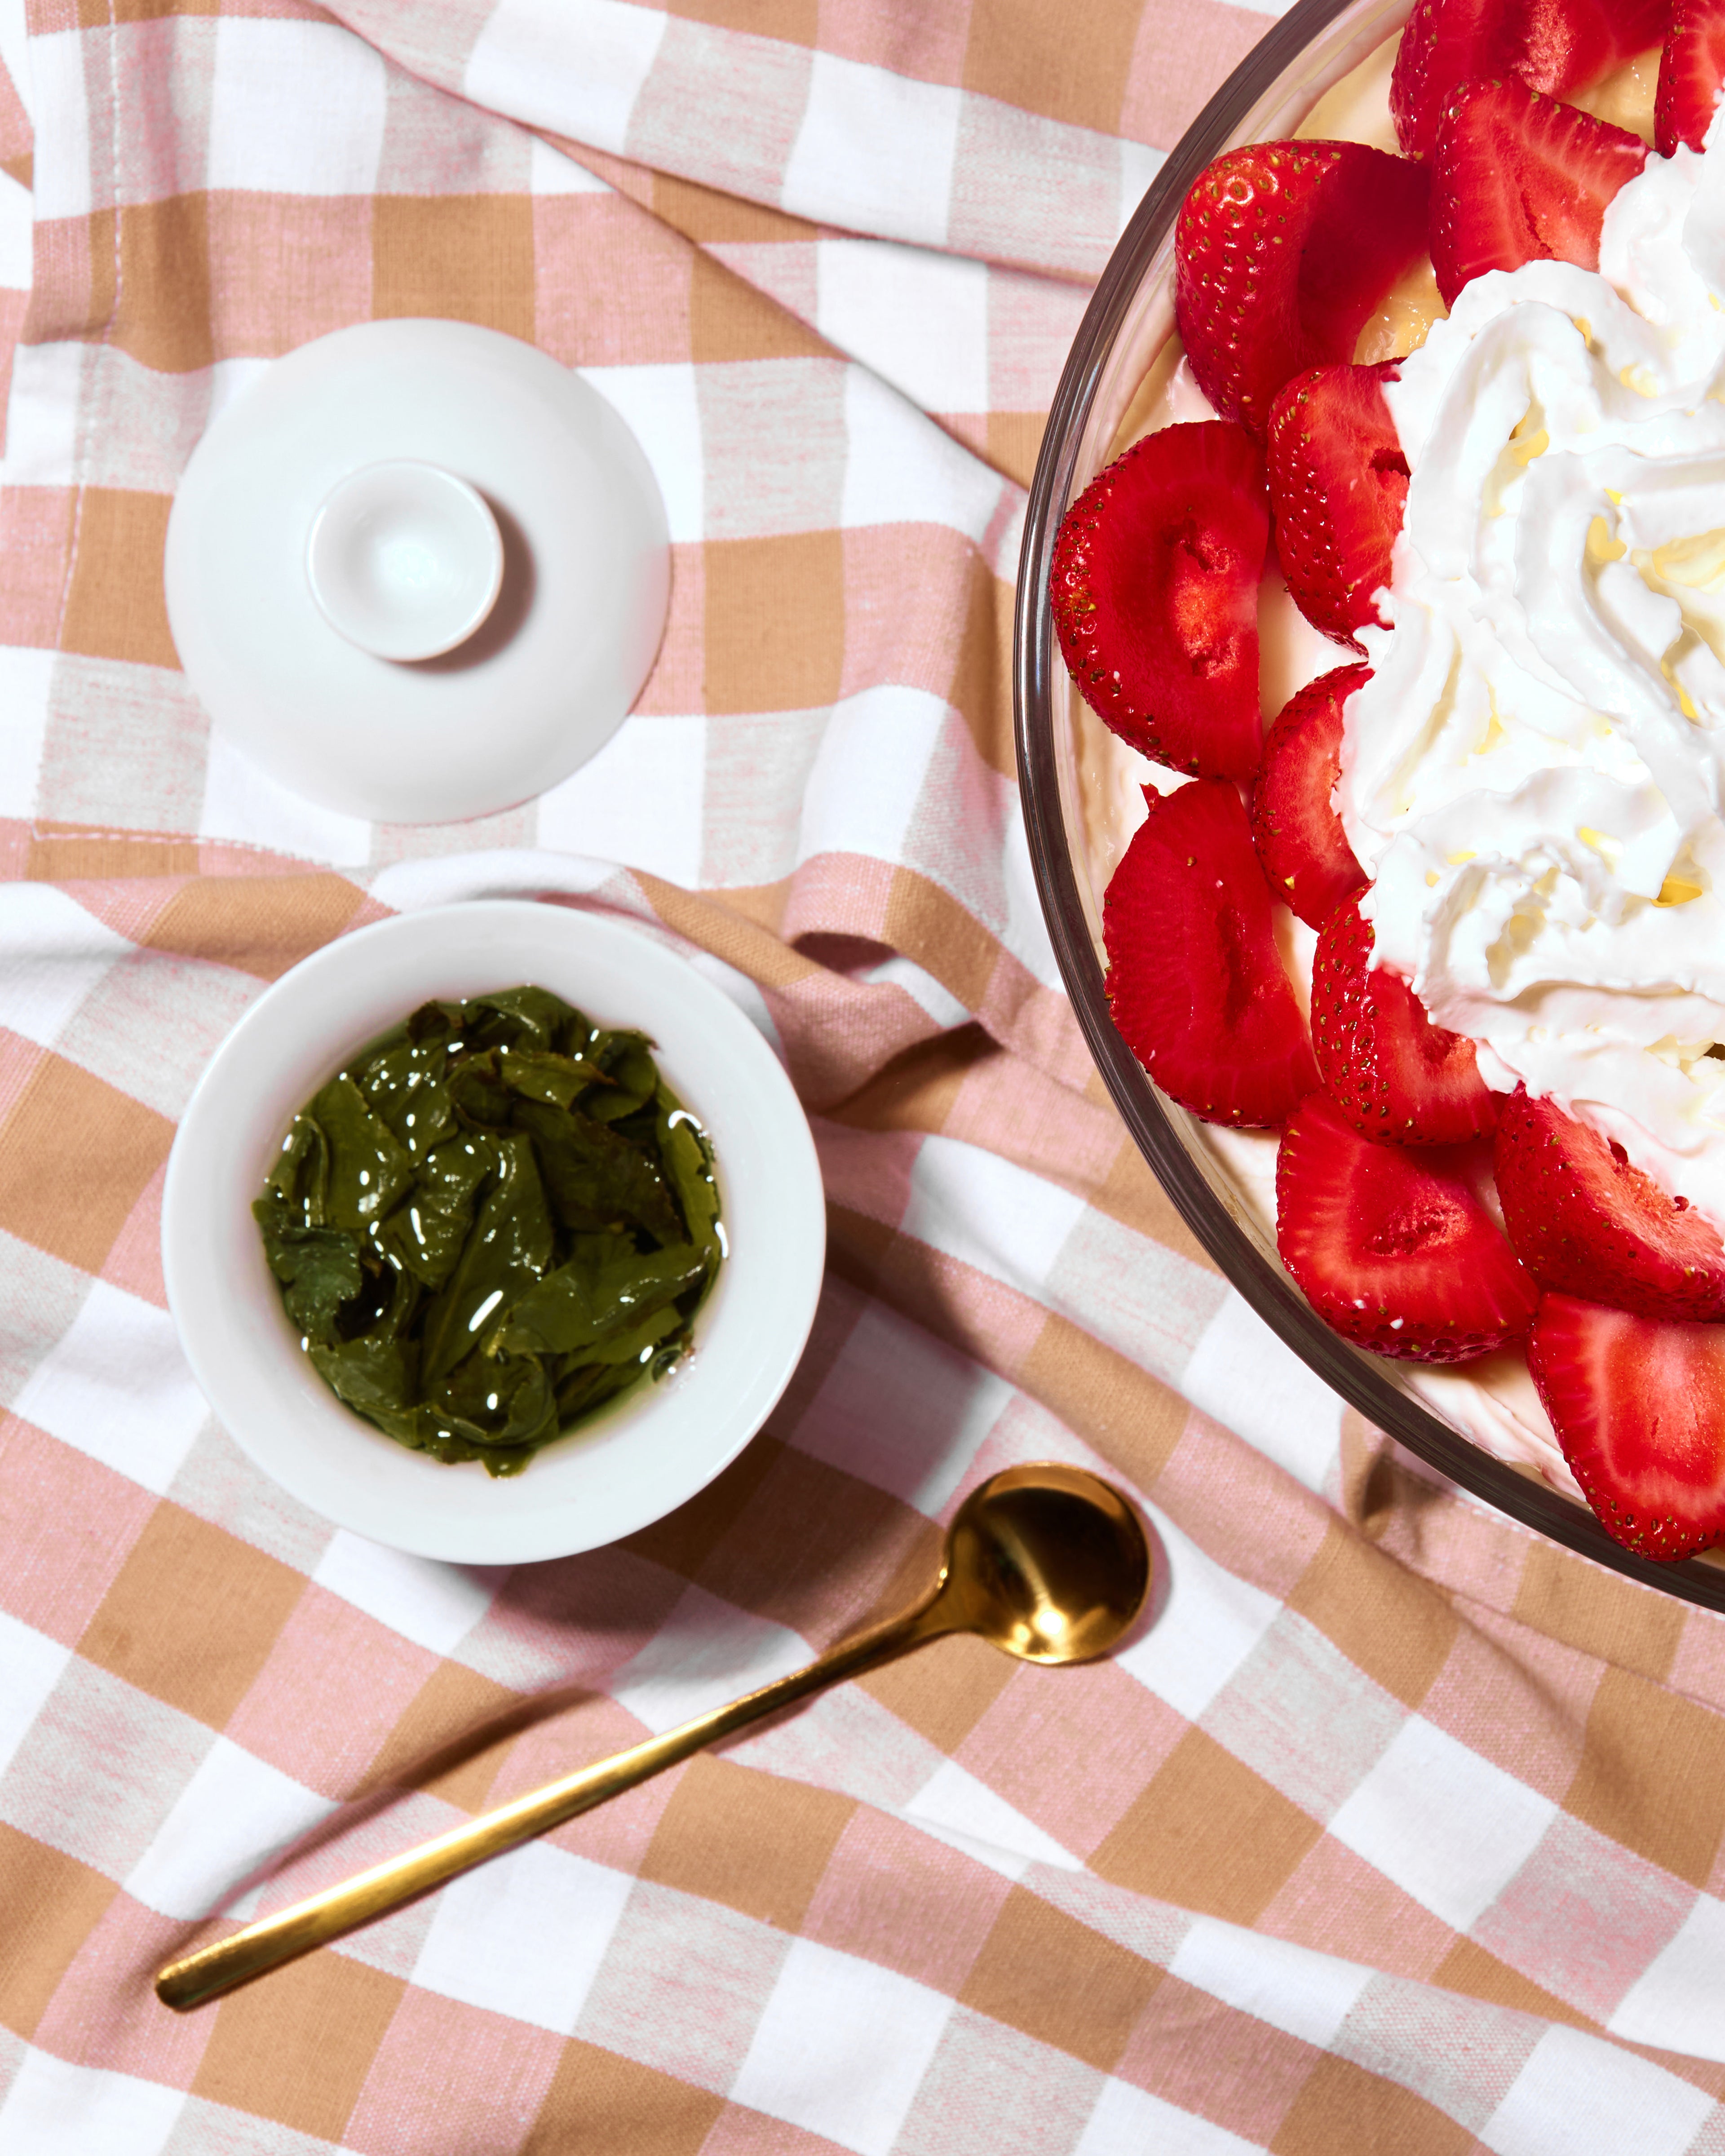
(1639, 1407)
(1304, 851)
(1692, 71)
(1396, 1076)
(1393, 1248)
(1283, 251)
(1554, 45)
(1566, 44)
(1517, 177)
(1155, 593)
(1195, 981)
(1573, 43)
(1338, 485)
(1444, 42)
(1587, 1222)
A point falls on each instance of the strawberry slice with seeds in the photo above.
(1639, 1407)
(1393, 1248)
(1517, 177)
(1281, 253)
(1587, 1222)
(1396, 1076)
(1566, 44)
(1446, 42)
(1553, 46)
(1305, 856)
(1195, 981)
(1691, 72)
(1339, 486)
(1154, 587)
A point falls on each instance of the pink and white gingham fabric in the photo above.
(1394, 1828)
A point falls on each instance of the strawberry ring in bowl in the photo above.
(1353, 964)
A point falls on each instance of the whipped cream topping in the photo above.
(1534, 778)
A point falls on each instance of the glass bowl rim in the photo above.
(1360, 1380)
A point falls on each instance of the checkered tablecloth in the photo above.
(1397, 1829)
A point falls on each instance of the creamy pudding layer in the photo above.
(1534, 776)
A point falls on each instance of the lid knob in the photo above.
(405, 559)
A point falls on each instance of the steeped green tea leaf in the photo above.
(626, 1060)
(689, 1162)
(520, 1018)
(510, 1248)
(594, 1297)
(497, 1399)
(318, 1269)
(368, 1171)
(597, 1177)
(558, 1080)
(427, 1230)
(373, 1374)
(300, 1177)
(406, 1086)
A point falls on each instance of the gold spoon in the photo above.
(1046, 1562)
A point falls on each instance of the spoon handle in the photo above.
(292, 1932)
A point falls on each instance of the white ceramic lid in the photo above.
(555, 662)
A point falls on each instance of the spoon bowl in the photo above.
(1046, 1562)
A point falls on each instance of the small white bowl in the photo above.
(405, 559)
(635, 1462)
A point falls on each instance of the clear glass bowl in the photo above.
(1129, 321)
